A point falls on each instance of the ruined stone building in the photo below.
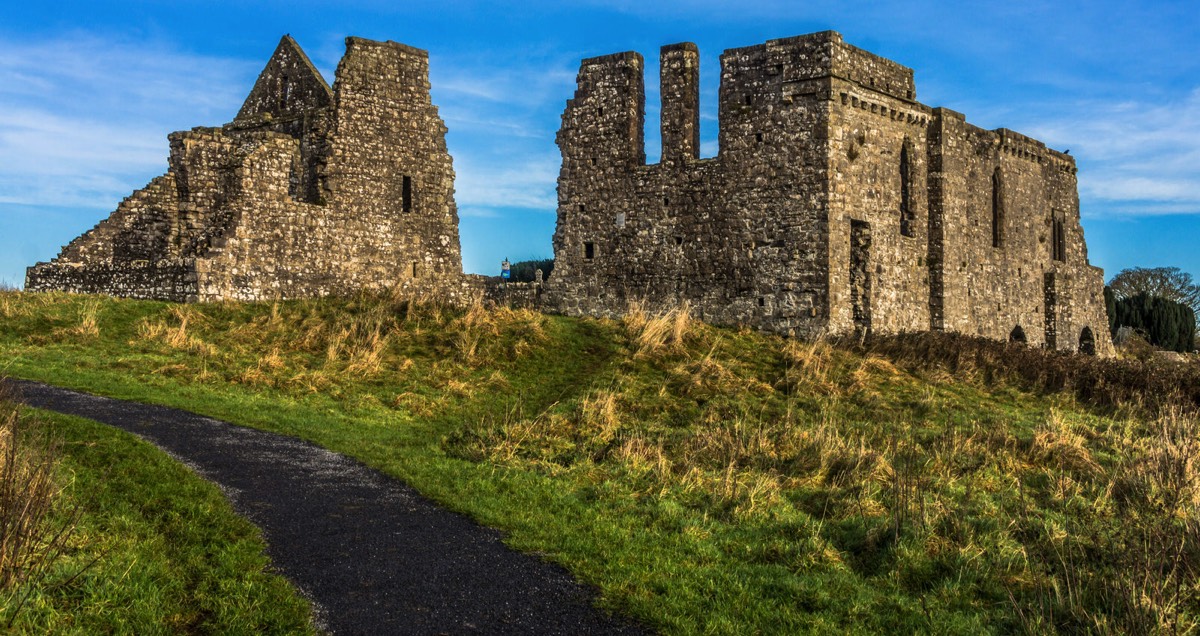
(836, 203)
(309, 191)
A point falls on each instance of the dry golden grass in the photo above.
(809, 362)
(599, 416)
(30, 540)
(18, 304)
(655, 332)
(177, 336)
(477, 323)
(368, 356)
(1056, 444)
(88, 326)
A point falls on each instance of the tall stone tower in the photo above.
(309, 191)
(836, 203)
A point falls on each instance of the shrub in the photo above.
(1153, 384)
(31, 539)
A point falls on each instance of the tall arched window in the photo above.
(907, 213)
(997, 209)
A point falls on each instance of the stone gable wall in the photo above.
(310, 191)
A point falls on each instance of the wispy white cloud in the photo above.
(1135, 158)
(86, 117)
(502, 112)
(528, 182)
(525, 82)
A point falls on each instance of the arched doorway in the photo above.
(1018, 335)
(1087, 342)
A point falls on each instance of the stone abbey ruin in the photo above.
(836, 202)
(310, 191)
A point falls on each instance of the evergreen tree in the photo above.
(1166, 324)
(1170, 283)
(525, 271)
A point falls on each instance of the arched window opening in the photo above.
(997, 209)
(1087, 342)
(1018, 335)
(907, 214)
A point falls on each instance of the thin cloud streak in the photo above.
(1135, 158)
(86, 117)
(528, 184)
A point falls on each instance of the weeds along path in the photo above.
(373, 555)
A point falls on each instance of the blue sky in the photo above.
(90, 90)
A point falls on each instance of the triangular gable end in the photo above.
(289, 84)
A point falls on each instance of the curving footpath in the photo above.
(373, 555)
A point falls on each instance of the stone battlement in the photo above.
(836, 203)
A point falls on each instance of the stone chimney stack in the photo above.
(680, 87)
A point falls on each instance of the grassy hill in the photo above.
(710, 480)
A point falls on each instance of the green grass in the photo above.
(155, 549)
(705, 480)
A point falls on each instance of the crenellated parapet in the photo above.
(836, 203)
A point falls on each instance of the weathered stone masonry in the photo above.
(310, 191)
(836, 203)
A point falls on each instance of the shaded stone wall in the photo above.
(837, 202)
(740, 236)
(310, 191)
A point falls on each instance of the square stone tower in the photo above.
(836, 203)
(309, 191)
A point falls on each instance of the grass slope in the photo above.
(156, 549)
(706, 480)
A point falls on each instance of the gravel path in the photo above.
(373, 555)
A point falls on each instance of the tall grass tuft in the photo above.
(655, 332)
(178, 335)
(471, 328)
(88, 326)
(31, 539)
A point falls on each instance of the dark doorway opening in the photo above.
(1087, 342)
(860, 274)
(1018, 335)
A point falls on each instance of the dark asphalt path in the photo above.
(374, 556)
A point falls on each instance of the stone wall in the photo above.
(310, 191)
(836, 203)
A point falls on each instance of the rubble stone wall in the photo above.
(310, 191)
(836, 203)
